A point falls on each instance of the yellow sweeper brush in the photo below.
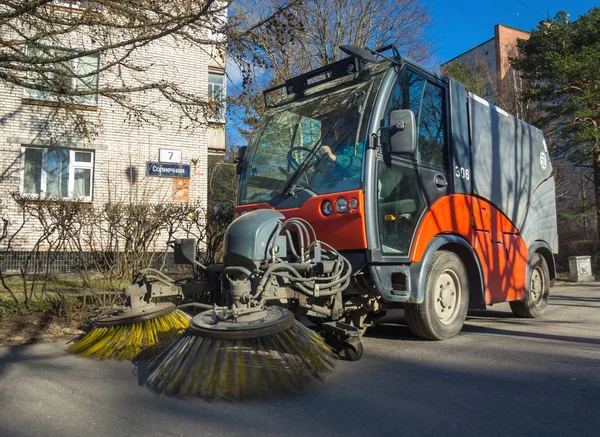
(140, 327)
(226, 359)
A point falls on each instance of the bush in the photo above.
(110, 243)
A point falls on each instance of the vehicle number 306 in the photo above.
(461, 172)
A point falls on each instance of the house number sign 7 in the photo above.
(170, 155)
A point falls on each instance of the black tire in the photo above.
(353, 355)
(444, 309)
(538, 290)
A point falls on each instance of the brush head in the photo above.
(218, 359)
(128, 316)
(265, 322)
(129, 334)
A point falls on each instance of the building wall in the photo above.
(484, 54)
(491, 59)
(505, 39)
(122, 146)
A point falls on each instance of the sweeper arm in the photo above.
(251, 343)
(148, 284)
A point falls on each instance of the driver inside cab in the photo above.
(341, 155)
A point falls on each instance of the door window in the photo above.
(400, 205)
(426, 100)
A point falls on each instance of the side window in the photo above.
(431, 143)
(425, 99)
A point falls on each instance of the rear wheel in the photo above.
(444, 308)
(538, 289)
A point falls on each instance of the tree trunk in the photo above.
(597, 185)
(584, 203)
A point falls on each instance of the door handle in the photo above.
(440, 181)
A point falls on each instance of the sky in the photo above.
(460, 25)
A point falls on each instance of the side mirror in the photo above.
(239, 159)
(401, 132)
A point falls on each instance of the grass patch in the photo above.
(66, 285)
(50, 318)
(70, 306)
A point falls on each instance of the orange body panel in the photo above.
(501, 251)
(345, 231)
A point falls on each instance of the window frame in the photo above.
(48, 96)
(220, 113)
(73, 165)
(434, 81)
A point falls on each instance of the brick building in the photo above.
(128, 160)
(491, 58)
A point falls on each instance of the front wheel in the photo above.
(536, 296)
(444, 308)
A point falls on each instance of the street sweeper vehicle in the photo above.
(370, 183)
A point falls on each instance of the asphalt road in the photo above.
(502, 376)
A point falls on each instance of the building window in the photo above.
(76, 6)
(216, 95)
(70, 4)
(54, 172)
(79, 75)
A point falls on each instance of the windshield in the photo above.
(313, 144)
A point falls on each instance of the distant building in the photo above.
(491, 58)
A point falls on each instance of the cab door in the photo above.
(407, 185)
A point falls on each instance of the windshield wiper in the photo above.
(289, 186)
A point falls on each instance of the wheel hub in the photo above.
(208, 324)
(447, 295)
(537, 284)
(447, 298)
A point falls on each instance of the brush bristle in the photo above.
(234, 369)
(126, 342)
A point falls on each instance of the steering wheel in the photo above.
(323, 162)
(293, 165)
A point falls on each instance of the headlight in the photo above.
(341, 205)
(354, 203)
(326, 208)
(236, 215)
(244, 212)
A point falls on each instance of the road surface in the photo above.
(502, 376)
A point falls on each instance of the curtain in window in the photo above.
(32, 174)
(83, 181)
(87, 70)
(57, 171)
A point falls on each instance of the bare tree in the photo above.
(313, 31)
(78, 51)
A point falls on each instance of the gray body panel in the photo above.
(459, 138)
(512, 170)
(539, 222)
